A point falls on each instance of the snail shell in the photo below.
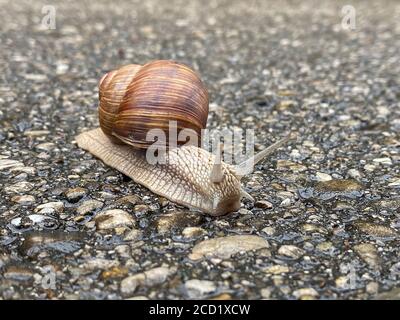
(135, 99)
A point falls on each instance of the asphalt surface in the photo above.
(326, 221)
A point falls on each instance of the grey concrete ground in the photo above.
(326, 221)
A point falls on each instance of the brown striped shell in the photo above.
(135, 99)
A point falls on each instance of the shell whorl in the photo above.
(184, 178)
(136, 99)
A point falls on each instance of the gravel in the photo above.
(325, 222)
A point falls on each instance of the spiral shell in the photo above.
(135, 99)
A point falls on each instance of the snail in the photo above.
(135, 99)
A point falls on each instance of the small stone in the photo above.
(290, 165)
(269, 231)
(114, 218)
(36, 242)
(193, 232)
(50, 207)
(24, 200)
(305, 293)
(36, 133)
(277, 269)
(388, 203)
(99, 263)
(133, 235)
(75, 194)
(7, 163)
(325, 246)
(394, 183)
(368, 253)
(265, 293)
(291, 251)
(198, 289)
(35, 218)
(375, 230)
(372, 288)
(141, 208)
(284, 104)
(337, 185)
(131, 200)
(222, 296)
(312, 228)
(138, 298)
(320, 176)
(148, 278)
(19, 187)
(263, 204)
(47, 146)
(393, 294)
(386, 161)
(342, 282)
(114, 272)
(177, 219)
(354, 173)
(225, 247)
(27, 170)
(285, 203)
(89, 206)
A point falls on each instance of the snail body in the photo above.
(135, 99)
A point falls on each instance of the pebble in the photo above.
(368, 253)
(24, 200)
(50, 207)
(269, 231)
(89, 206)
(394, 183)
(276, 269)
(27, 170)
(354, 173)
(113, 218)
(36, 133)
(99, 263)
(393, 294)
(225, 247)
(305, 293)
(147, 279)
(19, 187)
(320, 176)
(177, 219)
(198, 289)
(114, 272)
(375, 230)
(290, 165)
(386, 161)
(47, 146)
(263, 204)
(35, 218)
(325, 246)
(133, 235)
(57, 240)
(7, 164)
(131, 200)
(75, 194)
(291, 251)
(337, 185)
(372, 288)
(285, 203)
(193, 232)
(141, 209)
(311, 228)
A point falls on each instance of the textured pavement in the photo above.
(326, 221)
